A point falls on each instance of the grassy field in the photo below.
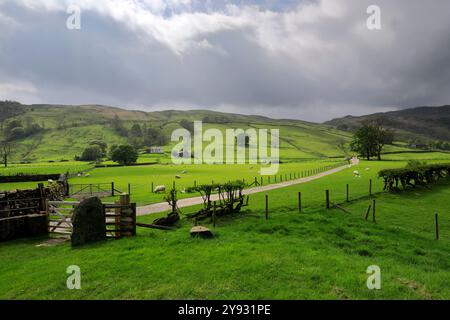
(316, 254)
(141, 177)
(45, 168)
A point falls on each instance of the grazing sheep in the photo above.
(356, 173)
(50, 181)
(79, 175)
(87, 175)
(367, 169)
(177, 177)
(159, 189)
(184, 172)
(355, 161)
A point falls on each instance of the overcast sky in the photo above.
(306, 59)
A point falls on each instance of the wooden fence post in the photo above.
(267, 206)
(112, 189)
(124, 200)
(374, 211)
(436, 226)
(299, 202)
(347, 192)
(370, 187)
(214, 214)
(368, 211)
(269, 179)
(129, 189)
(262, 181)
(153, 190)
(327, 199)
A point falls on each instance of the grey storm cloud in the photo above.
(312, 60)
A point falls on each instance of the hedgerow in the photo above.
(420, 175)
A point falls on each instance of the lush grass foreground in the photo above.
(316, 254)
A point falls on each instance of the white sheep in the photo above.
(356, 173)
(87, 175)
(177, 177)
(159, 189)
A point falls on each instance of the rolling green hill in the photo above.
(424, 124)
(64, 131)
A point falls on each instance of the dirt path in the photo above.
(163, 206)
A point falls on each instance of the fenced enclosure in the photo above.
(101, 190)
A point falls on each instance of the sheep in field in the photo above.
(159, 189)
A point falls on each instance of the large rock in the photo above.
(202, 232)
(88, 222)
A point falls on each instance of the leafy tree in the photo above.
(188, 125)
(101, 144)
(91, 153)
(370, 139)
(118, 126)
(5, 151)
(364, 141)
(154, 137)
(124, 154)
(384, 137)
(136, 131)
(10, 109)
(445, 146)
(16, 133)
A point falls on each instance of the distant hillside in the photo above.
(423, 123)
(61, 132)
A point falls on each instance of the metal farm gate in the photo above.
(92, 189)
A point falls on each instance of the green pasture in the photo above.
(141, 177)
(315, 254)
(45, 168)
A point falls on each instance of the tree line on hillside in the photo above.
(96, 150)
(139, 135)
(14, 129)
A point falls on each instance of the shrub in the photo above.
(414, 175)
(92, 153)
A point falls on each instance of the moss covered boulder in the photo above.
(88, 222)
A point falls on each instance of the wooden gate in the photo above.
(120, 217)
(60, 216)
